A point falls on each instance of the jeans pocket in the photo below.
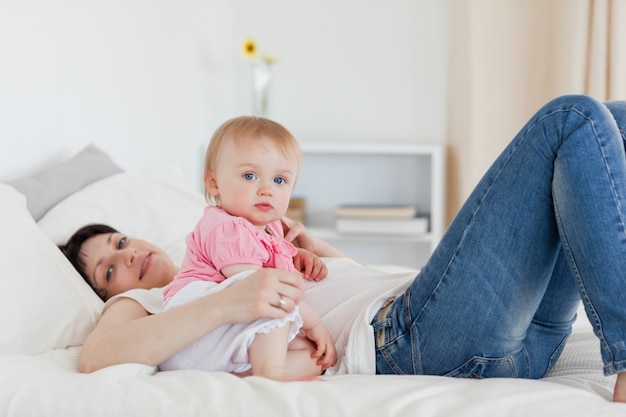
(480, 367)
(398, 356)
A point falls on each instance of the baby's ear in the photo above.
(210, 184)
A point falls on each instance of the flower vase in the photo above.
(261, 75)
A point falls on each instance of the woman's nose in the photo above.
(128, 255)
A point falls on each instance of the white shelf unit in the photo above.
(337, 174)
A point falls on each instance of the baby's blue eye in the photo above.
(279, 180)
(249, 176)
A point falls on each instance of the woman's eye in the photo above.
(121, 243)
(109, 273)
(279, 180)
(249, 176)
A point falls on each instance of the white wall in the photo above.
(149, 80)
(353, 70)
(146, 80)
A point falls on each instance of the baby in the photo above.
(251, 168)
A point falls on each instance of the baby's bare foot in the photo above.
(280, 375)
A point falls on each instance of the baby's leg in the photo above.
(271, 357)
(300, 364)
(268, 354)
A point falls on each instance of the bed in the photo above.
(49, 310)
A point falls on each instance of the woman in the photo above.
(544, 228)
(114, 265)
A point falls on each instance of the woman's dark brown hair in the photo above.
(72, 249)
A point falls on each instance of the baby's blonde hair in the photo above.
(245, 130)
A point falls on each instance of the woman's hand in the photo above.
(310, 265)
(266, 293)
(299, 235)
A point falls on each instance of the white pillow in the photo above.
(45, 302)
(156, 205)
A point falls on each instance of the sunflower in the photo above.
(261, 66)
(249, 48)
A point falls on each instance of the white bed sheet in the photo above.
(48, 385)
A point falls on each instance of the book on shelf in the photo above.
(297, 209)
(410, 226)
(377, 211)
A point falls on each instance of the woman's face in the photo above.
(115, 263)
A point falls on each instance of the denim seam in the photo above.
(416, 361)
(614, 368)
(557, 354)
(391, 362)
(478, 359)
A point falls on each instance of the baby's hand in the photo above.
(310, 265)
(326, 351)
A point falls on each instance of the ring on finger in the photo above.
(281, 303)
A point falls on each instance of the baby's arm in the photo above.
(231, 270)
(317, 332)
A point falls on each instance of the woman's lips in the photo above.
(147, 261)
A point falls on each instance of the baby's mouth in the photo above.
(264, 206)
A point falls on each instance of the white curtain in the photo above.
(508, 57)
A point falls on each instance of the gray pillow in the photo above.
(44, 189)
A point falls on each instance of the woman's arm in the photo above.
(126, 333)
(299, 235)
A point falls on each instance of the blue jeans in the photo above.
(544, 228)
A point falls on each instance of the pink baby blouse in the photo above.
(220, 240)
